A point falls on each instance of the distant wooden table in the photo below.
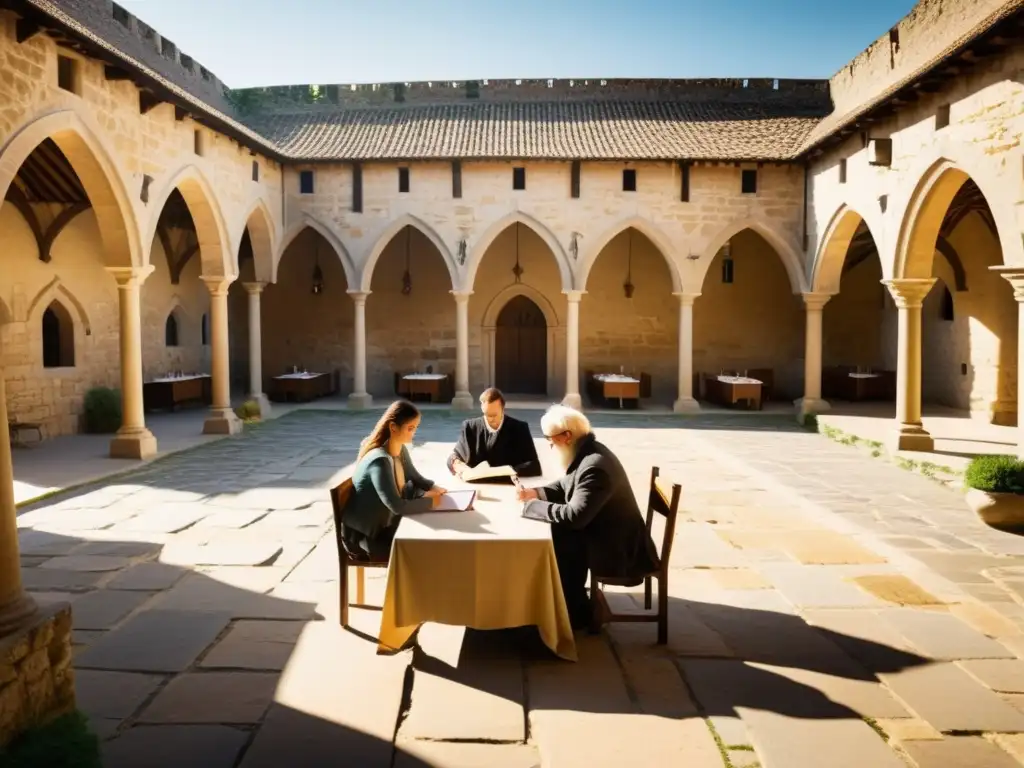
(300, 387)
(169, 392)
(428, 384)
(730, 390)
(615, 386)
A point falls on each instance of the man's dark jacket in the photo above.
(595, 498)
(511, 445)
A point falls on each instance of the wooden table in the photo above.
(428, 384)
(300, 387)
(486, 568)
(615, 386)
(170, 392)
(730, 390)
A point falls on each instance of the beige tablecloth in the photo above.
(486, 568)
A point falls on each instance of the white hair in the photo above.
(562, 418)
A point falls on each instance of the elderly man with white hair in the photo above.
(595, 521)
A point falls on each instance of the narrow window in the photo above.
(67, 73)
(629, 180)
(199, 143)
(206, 330)
(255, 170)
(58, 337)
(727, 270)
(749, 183)
(305, 182)
(403, 179)
(684, 190)
(946, 308)
(842, 171)
(942, 117)
(357, 188)
(518, 178)
(574, 184)
(456, 179)
(171, 331)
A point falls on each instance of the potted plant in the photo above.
(995, 490)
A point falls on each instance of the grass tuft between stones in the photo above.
(66, 742)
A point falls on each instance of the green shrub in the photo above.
(65, 742)
(995, 474)
(102, 410)
(248, 411)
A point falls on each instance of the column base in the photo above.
(133, 444)
(222, 421)
(686, 405)
(910, 437)
(463, 401)
(264, 404)
(17, 614)
(359, 401)
(573, 401)
(807, 405)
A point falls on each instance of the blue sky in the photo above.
(274, 42)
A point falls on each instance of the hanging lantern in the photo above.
(517, 270)
(628, 287)
(407, 277)
(318, 275)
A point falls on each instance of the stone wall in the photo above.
(36, 677)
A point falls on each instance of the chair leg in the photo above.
(647, 593)
(343, 593)
(360, 585)
(595, 603)
(663, 609)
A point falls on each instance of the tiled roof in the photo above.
(586, 130)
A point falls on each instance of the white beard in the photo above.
(566, 453)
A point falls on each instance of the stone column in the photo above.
(463, 400)
(133, 440)
(572, 350)
(222, 419)
(812, 402)
(1015, 276)
(909, 294)
(256, 349)
(359, 398)
(685, 402)
(17, 608)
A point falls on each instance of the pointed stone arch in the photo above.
(55, 290)
(204, 207)
(406, 220)
(328, 234)
(478, 249)
(96, 168)
(660, 240)
(489, 327)
(827, 269)
(786, 251)
(505, 295)
(262, 235)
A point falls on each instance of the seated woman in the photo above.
(385, 484)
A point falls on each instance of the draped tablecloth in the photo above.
(485, 568)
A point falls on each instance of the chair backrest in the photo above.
(645, 385)
(340, 495)
(663, 499)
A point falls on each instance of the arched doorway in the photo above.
(521, 348)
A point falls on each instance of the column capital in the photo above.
(814, 300)
(359, 297)
(255, 288)
(218, 285)
(574, 296)
(461, 297)
(1015, 277)
(686, 298)
(126, 276)
(909, 292)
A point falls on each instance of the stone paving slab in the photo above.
(45, 579)
(113, 695)
(238, 594)
(255, 645)
(174, 746)
(1003, 675)
(942, 636)
(104, 608)
(155, 641)
(817, 587)
(417, 754)
(213, 697)
(959, 752)
(147, 577)
(87, 563)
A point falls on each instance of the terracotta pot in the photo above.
(1001, 510)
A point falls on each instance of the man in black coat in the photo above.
(595, 521)
(497, 438)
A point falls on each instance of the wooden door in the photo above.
(521, 349)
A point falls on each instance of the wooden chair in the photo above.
(16, 428)
(767, 378)
(339, 499)
(664, 500)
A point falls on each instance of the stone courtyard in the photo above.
(826, 609)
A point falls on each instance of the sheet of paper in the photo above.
(455, 501)
(483, 469)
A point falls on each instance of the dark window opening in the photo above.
(518, 178)
(67, 70)
(727, 270)
(171, 331)
(629, 180)
(946, 307)
(403, 179)
(842, 171)
(942, 117)
(58, 337)
(255, 170)
(206, 330)
(305, 182)
(198, 143)
(749, 182)
(456, 179)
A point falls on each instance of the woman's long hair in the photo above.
(399, 413)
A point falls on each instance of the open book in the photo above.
(484, 470)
